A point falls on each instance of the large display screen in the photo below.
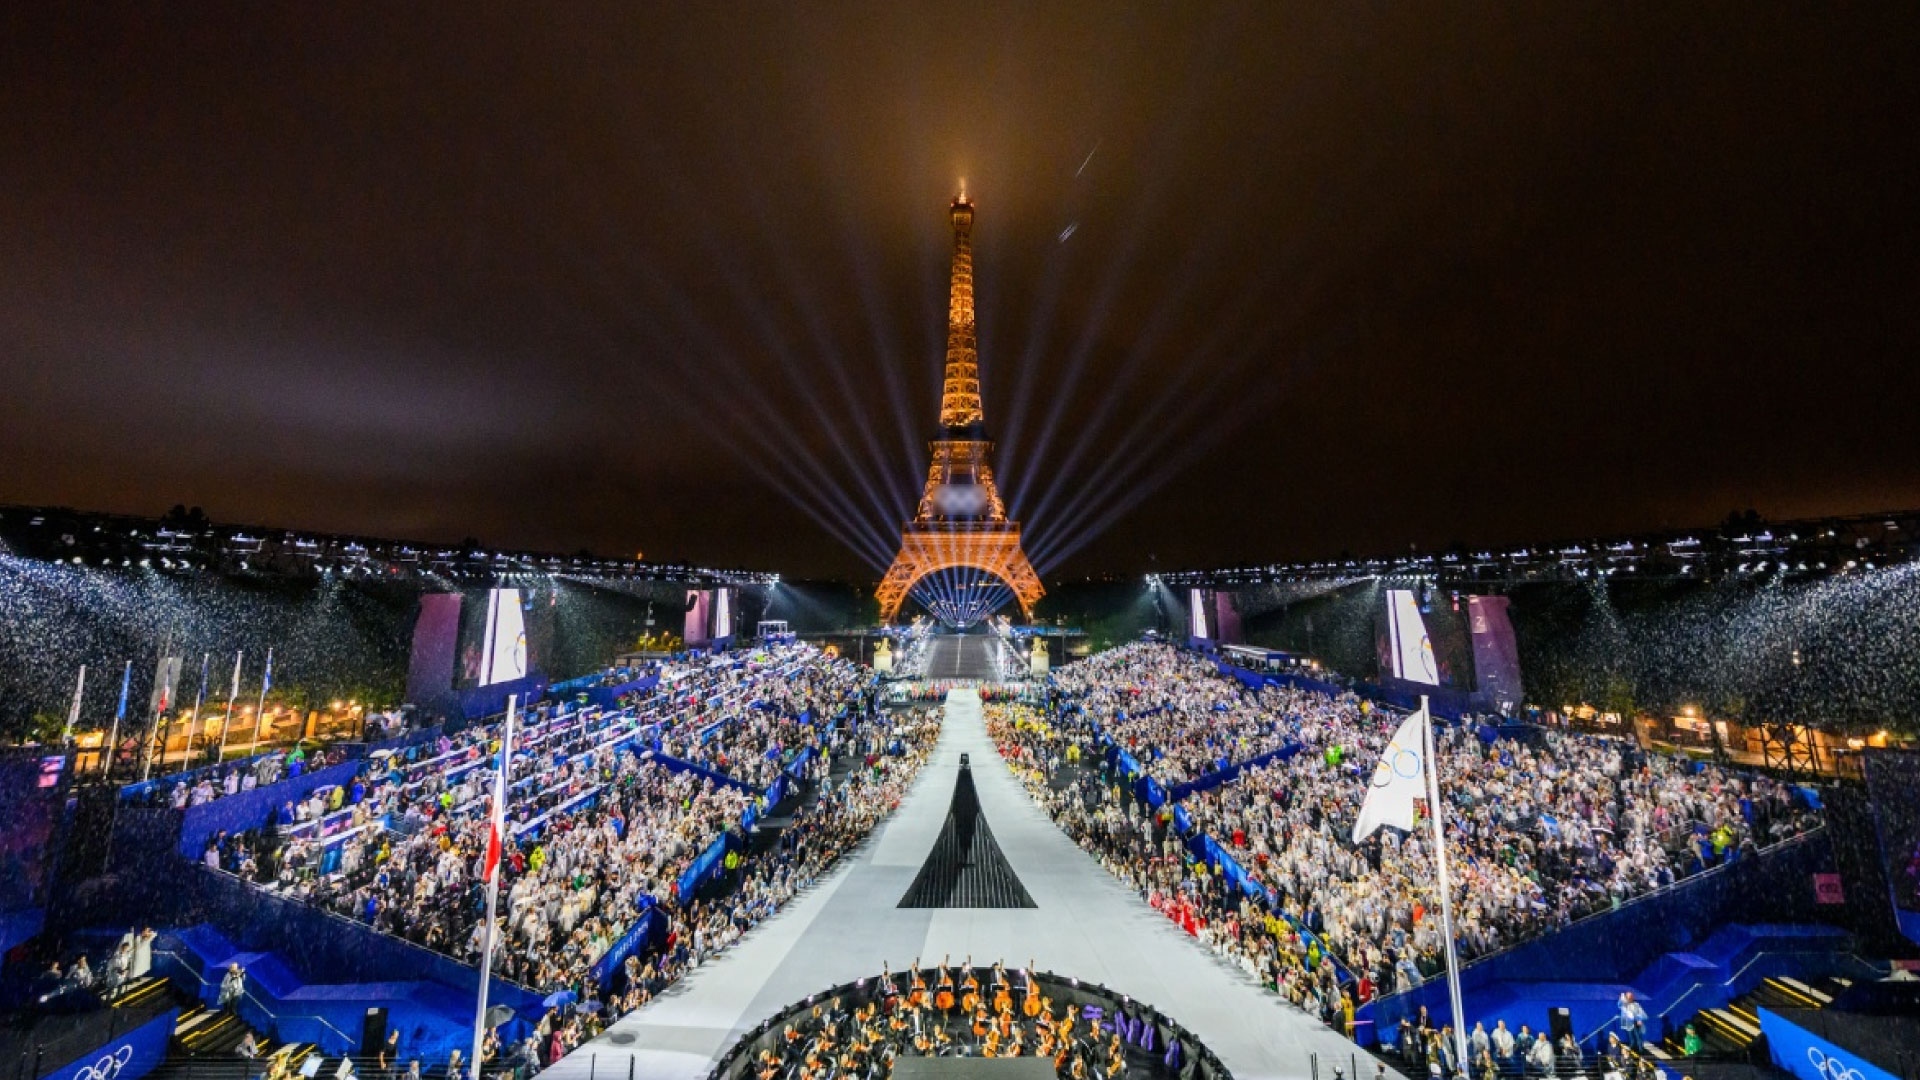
(504, 652)
(1197, 613)
(1409, 650)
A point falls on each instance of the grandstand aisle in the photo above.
(1084, 924)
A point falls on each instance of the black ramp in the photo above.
(966, 868)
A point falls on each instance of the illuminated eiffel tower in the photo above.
(961, 522)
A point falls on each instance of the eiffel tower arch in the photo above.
(962, 521)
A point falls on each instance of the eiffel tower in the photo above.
(961, 522)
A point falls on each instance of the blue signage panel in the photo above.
(1810, 1057)
(128, 1057)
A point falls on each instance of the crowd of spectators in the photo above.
(858, 781)
(599, 825)
(1543, 826)
(1174, 713)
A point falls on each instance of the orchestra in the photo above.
(906, 1018)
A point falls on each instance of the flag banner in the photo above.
(126, 684)
(1399, 780)
(493, 849)
(166, 677)
(79, 691)
(235, 692)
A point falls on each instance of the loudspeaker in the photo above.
(1559, 1022)
(373, 1032)
(693, 598)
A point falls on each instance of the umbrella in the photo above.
(498, 1014)
(558, 998)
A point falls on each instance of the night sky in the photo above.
(1255, 283)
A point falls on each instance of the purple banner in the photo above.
(1227, 620)
(436, 636)
(1496, 657)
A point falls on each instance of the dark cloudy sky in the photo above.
(1338, 276)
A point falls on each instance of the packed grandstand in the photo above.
(638, 844)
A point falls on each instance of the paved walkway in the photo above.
(1085, 925)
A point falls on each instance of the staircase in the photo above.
(205, 1033)
(138, 993)
(1732, 1030)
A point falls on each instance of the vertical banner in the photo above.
(697, 633)
(1496, 656)
(1226, 618)
(436, 640)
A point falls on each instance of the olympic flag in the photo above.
(1398, 780)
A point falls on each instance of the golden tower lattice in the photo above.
(962, 522)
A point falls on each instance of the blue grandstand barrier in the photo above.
(128, 1056)
(1651, 944)
(1811, 1056)
(252, 809)
(648, 931)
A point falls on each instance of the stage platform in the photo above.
(1084, 924)
(972, 1068)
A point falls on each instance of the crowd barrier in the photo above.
(1620, 946)
(478, 702)
(139, 792)
(1232, 772)
(1221, 857)
(675, 764)
(128, 1056)
(647, 932)
(246, 810)
(607, 697)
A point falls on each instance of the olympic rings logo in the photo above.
(1831, 1067)
(109, 1065)
(1403, 764)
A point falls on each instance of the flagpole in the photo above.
(199, 699)
(73, 714)
(260, 714)
(233, 691)
(161, 692)
(1434, 813)
(113, 738)
(496, 848)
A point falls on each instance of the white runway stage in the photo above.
(1086, 925)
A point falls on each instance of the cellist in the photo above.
(917, 997)
(943, 993)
